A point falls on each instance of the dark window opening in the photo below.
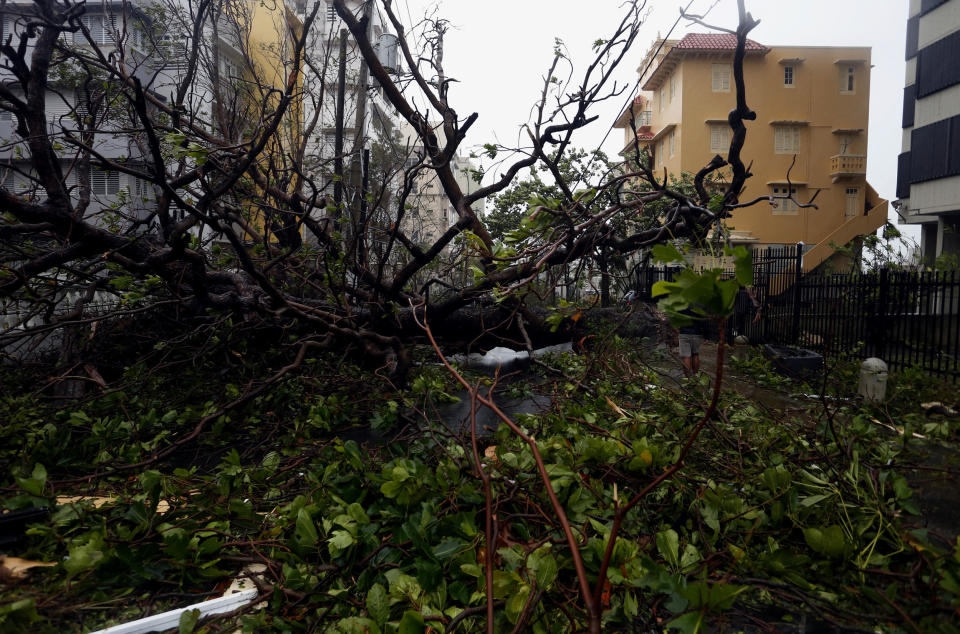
(934, 73)
(909, 105)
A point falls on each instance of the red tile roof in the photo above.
(715, 42)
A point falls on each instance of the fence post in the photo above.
(880, 314)
(765, 323)
(798, 279)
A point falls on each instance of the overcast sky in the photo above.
(500, 50)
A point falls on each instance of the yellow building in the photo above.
(811, 102)
(256, 66)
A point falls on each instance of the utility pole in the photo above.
(338, 131)
(359, 140)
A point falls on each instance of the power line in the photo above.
(636, 86)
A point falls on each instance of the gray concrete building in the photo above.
(928, 179)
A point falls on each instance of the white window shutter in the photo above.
(719, 138)
(94, 25)
(721, 78)
(97, 181)
(57, 111)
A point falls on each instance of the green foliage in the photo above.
(388, 537)
(512, 207)
(700, 295)
(759, 369)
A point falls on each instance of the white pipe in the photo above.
(171, 620)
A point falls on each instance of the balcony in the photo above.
(847, 165)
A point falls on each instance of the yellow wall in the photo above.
(270, 48)
(814, 98)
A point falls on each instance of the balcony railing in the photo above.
(848, 165)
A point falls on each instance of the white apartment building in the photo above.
(430, 212)
(367, 118)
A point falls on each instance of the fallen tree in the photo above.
(238, 224)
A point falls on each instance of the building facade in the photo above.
(810, 137)
(342, 98)
(429, 213)
(928, 177)
(244, 59)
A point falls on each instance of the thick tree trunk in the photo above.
(479, 328)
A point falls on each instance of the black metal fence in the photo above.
(775, 270)
(906, 318)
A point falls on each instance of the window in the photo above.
(83, 102)
(671, 141)
(660, 153)
(6, 177)
(845, 142)
(329, 144)
(926, 6)
(138, 36)
(847, 76)
(20, 184)
(58, 114)
(903, 175)
(909, 105)
(936, 150)
(101, 28)
(785, 205)
(673, 86)
(934, 73)
(141, 190)
(913, 36)
(6, 116)
(229, 73)
(721, 78)
(6, 30)
(660, 100)
(104, 183)
(853, 199)
(719, 138)
(786, 139)
(788, 76)
(331, 12)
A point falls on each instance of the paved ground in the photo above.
(767, 397)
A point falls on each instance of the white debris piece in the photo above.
(505, 357)
(241, 592)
